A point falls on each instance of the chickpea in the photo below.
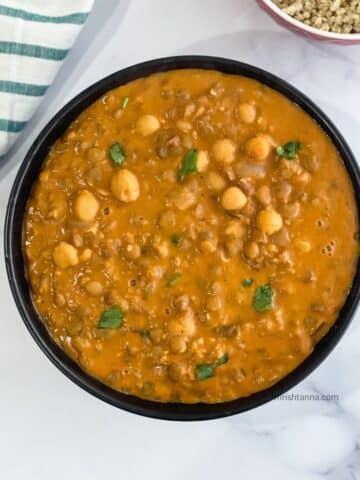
(125, 186)
(128, 237)
(156, 335)
(282, 237)
(118, 113)
(183, 325)
(263, 195)
(94, 288)
(74, 327)
(215, 288)
(199, 211)
(232, 247)
(184, 126)
(72, 135)
(86, 144)
(310, 276)
(55, 205)
(215, 182)
(202, 160)
(181, 303)
(272, 249)
(167, 219)
(233, 199)
(133, 251)
(189, 110)
(184, 199)
(252, 250)
(170, 176)
(292, 210)
(235, 228)
(95, 155)
(215, 303)
(187, 141)
(132, 348)
(304, 340)
(247, 113)
(224, 151)
(114, 298)
(59, 300)
(208, 245)
(148, 124)
(302, 179)
(258, 148)
(154, 272)
(289, 169)
(269, 221)
(284, 191)
(285, 257)
(77, 240)
(178, 344)
(65, 255)
(44, 176)
(81, 344)
(259, 236)
(192, 184)
(44, 286)
(311, 163)
(178, 371)
(86, 255)
(86, 206)
(303, 245)
(161, 247)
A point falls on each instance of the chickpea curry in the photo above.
(191, 237)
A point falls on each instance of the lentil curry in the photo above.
(191, 237)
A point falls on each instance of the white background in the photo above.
(49, 428)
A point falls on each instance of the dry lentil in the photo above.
(338, 16)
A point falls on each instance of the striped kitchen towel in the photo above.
(35, 37)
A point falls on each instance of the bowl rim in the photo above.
(307, 28)
(14, 260)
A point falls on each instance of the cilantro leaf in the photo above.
(117, 154)
(189, 164)
(223, 359)
(207, 370)
(111, 318)
(143, 333)
(176, 239)
(263, 298)
(204, 371)
(289, 150)
(124, 102)
(173, 279)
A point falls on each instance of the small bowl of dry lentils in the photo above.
(336, 21)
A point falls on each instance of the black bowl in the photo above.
(28, 173)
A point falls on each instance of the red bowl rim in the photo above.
(348, 37)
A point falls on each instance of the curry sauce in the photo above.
(191, 237)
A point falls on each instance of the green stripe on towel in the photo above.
(74, 18)
(11, 125)
(27, 89)
(36, 51)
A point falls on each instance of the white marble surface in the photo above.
(49, 428)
